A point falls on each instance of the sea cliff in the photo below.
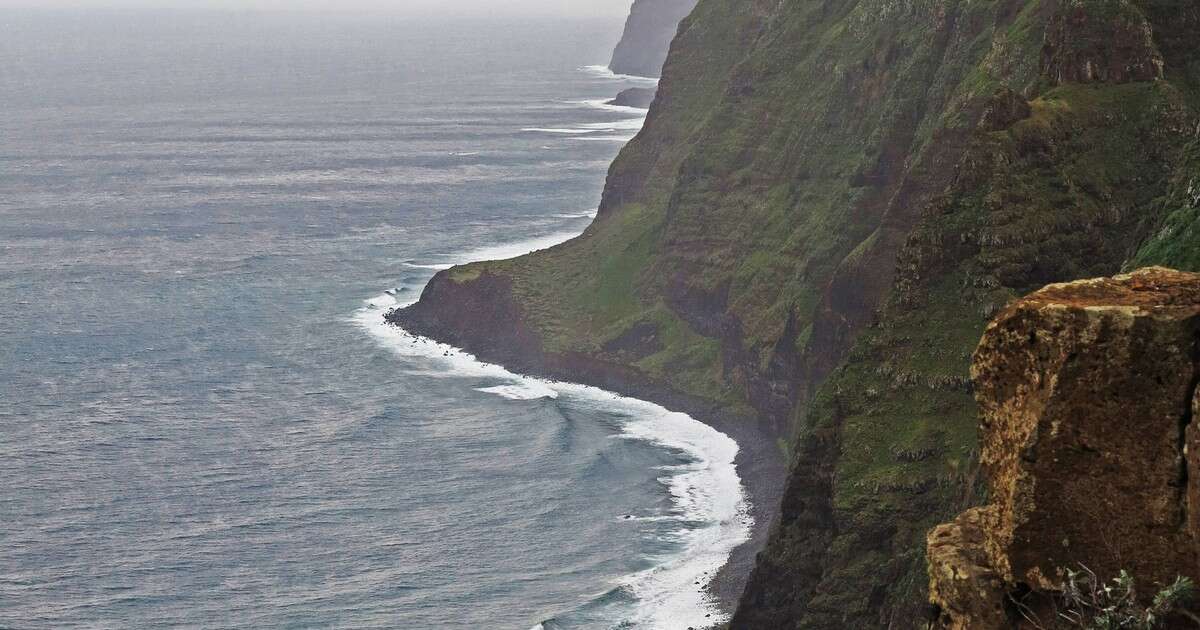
(828, 203)
(648, 33)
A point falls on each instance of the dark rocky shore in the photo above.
(487, 325)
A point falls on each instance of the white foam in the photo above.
(387, 300)
(604, 72)
(558, 130)
(706, 493)
(606, 105)
(506, 251)
(604, 139)
(626, 124)
(587, 214)
(521, 391)
(634, 121)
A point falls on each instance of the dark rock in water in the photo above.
(635, 97)
(648, 33)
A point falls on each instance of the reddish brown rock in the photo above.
(1087, 392)
(969, 591)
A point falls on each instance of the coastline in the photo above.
(492, 333)
(760, 464)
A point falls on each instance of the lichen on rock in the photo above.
(962, 582)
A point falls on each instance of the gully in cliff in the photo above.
(1088, 391)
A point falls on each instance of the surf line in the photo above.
(707, 496)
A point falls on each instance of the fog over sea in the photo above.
(204, 421)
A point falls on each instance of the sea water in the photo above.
(205, 421)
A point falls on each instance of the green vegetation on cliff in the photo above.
(828, 202)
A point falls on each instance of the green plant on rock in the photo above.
(1089, 602)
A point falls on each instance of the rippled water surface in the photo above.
(203, 421)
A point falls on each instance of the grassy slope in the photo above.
(586, 293)
(781, 133)
(795, 143)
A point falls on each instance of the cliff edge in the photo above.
(1088, 391)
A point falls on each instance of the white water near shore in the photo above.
(706, 492)
(707, 496)
(187, 376)
(604, 72)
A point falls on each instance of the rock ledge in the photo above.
(1087, 392)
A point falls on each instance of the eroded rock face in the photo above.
(962, 581)
(1101, 40)
(1087, 392)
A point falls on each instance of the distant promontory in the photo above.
(651, 26)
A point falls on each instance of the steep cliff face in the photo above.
(1088, 445)
(886, 448)
(1088, 42)
(648, 33)
(829, 201)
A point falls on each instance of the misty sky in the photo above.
(597, 8)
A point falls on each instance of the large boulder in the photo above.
(1087, 392)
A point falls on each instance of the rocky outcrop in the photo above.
(963, 585)
(1101, 40)
(640, 98)
(486, 318)
(648, 33)
(1087, 392)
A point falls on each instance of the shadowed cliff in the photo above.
(648, 33)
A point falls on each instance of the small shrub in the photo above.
(1088, 602)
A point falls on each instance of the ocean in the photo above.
(204, 420)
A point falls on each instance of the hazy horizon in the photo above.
(423, 8)
(206, 215)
